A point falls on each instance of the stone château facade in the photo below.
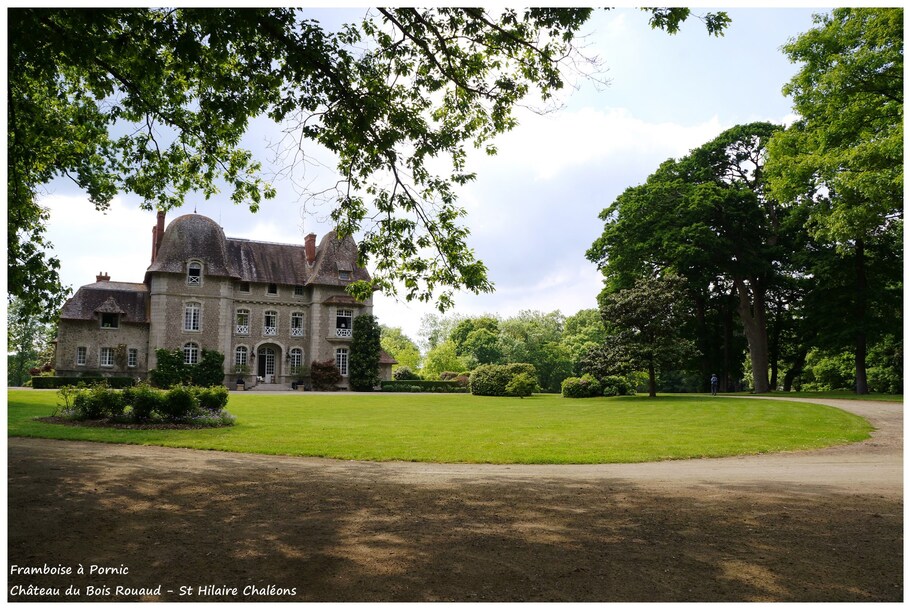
(271, 309)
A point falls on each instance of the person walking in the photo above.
(713, 385)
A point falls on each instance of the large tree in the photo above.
(843, 158)
(155, 101)
(643, 326)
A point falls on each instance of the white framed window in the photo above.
(343, 322)
(295, 357)
(242, 325)
(191, 316)
(132, 357)
(270, 323)
(341, 360)
(106, 357)
(298, 291)
(241, 355)
(297, 324)
(110, 320)
(272, 289)
(190, 353)
(81, 354)
(194, 273)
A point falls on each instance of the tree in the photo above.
(535, 337)
(442, 358)
(843, 159)
(366, 338)
(155, 101)
(27, 343)
(400, 347)
(643, 325)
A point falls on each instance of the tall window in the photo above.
(240, 357)
(295, 357)
(190, 353)
(132, 357)
(191, 316)
(270, 323)
(81, 353)
(343, 321)
(296, 324)
(341, 360)
(242, 327)
(194, 274)
(106, 356)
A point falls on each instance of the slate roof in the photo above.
(193, 236)
(128, 299)
(386, 358)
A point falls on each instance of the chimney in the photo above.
(103, 277)
(157, 234)
(309, 243)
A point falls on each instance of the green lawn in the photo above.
(544, 429)
(841, 395)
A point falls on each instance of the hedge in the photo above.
(422, 385)
(53, 383)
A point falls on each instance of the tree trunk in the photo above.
(652, 381)
(752, 313)
(796, 369)
(862, 384)
(774, 350)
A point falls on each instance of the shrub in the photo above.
(404, 373)
(212, 399)
(585, 386)
(179, 402)
(145, 401)
(97, 403)
(492, 379)
(209, 371)
(172, 370)
(614, 385)
(421, 385)
(324, 375)
(522, 385)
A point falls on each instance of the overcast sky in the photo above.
(533, 209)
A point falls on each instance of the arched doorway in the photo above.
(266, 361)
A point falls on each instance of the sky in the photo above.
(533, 210)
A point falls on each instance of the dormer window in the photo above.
(298, 291)
(110, 320)
(344, 275)
(194, 274)
(272, 289)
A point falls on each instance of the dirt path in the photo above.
(800, 526)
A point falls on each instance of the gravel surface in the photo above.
(153, 523)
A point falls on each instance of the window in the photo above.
(194, 274)
(132, 357)
(110, 320)
(244, 287)
(272, 289)
(344, 275)
(242, 327)
(295, 357)
(341, 360)
(298, 291)
(270, 324)
(190, 353)
(106, 356)
(81, 353)
(343, 322)
(240, 357)
(296, 324)
(191, 316)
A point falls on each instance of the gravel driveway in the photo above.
(182, 525)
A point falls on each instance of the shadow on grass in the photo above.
(348, 533)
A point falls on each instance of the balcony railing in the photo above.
(270, 331)
(242, 329)
(343, 332)
(297, 332)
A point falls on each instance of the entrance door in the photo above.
(267, 364)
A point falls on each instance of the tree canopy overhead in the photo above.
(155, 102)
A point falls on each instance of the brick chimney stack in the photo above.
(103, 277)
(157, 234)
(309, 243)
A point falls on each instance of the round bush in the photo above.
(585, 386)
(179, 402)
(212, 399)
